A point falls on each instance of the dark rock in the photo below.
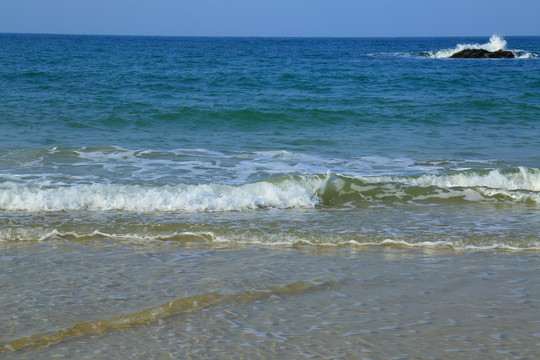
(482, 54)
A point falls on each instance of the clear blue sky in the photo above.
(273, 17)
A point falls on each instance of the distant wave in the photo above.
(521, 185)
(495, 43)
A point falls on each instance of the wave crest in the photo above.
(521, 185)
(289, 193)
(516, 185)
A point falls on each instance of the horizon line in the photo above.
(261, 36)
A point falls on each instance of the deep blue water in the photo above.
(361, 140)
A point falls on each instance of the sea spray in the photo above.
(496, 42)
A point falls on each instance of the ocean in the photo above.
(207, 197)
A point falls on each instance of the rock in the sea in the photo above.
(481, 53)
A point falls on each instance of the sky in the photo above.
(324, 18)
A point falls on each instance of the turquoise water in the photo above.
(233, 152)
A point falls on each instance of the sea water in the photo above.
(268, 197)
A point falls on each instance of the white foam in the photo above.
(495, 43)
(445, 245)
(40, 234)
(522, 54)
(522, 179)
(76, 166)
(268, 239)
(292, 193)
(289, 240)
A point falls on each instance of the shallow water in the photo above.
(162, 299)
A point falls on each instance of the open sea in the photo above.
(255, 198)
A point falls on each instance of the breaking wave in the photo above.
(520, 185)
(287, 193)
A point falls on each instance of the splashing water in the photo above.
(495, 43)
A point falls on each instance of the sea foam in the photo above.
(267, 239)
(495, 43)
(514, 185)
(134, 198)
(520, 179)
